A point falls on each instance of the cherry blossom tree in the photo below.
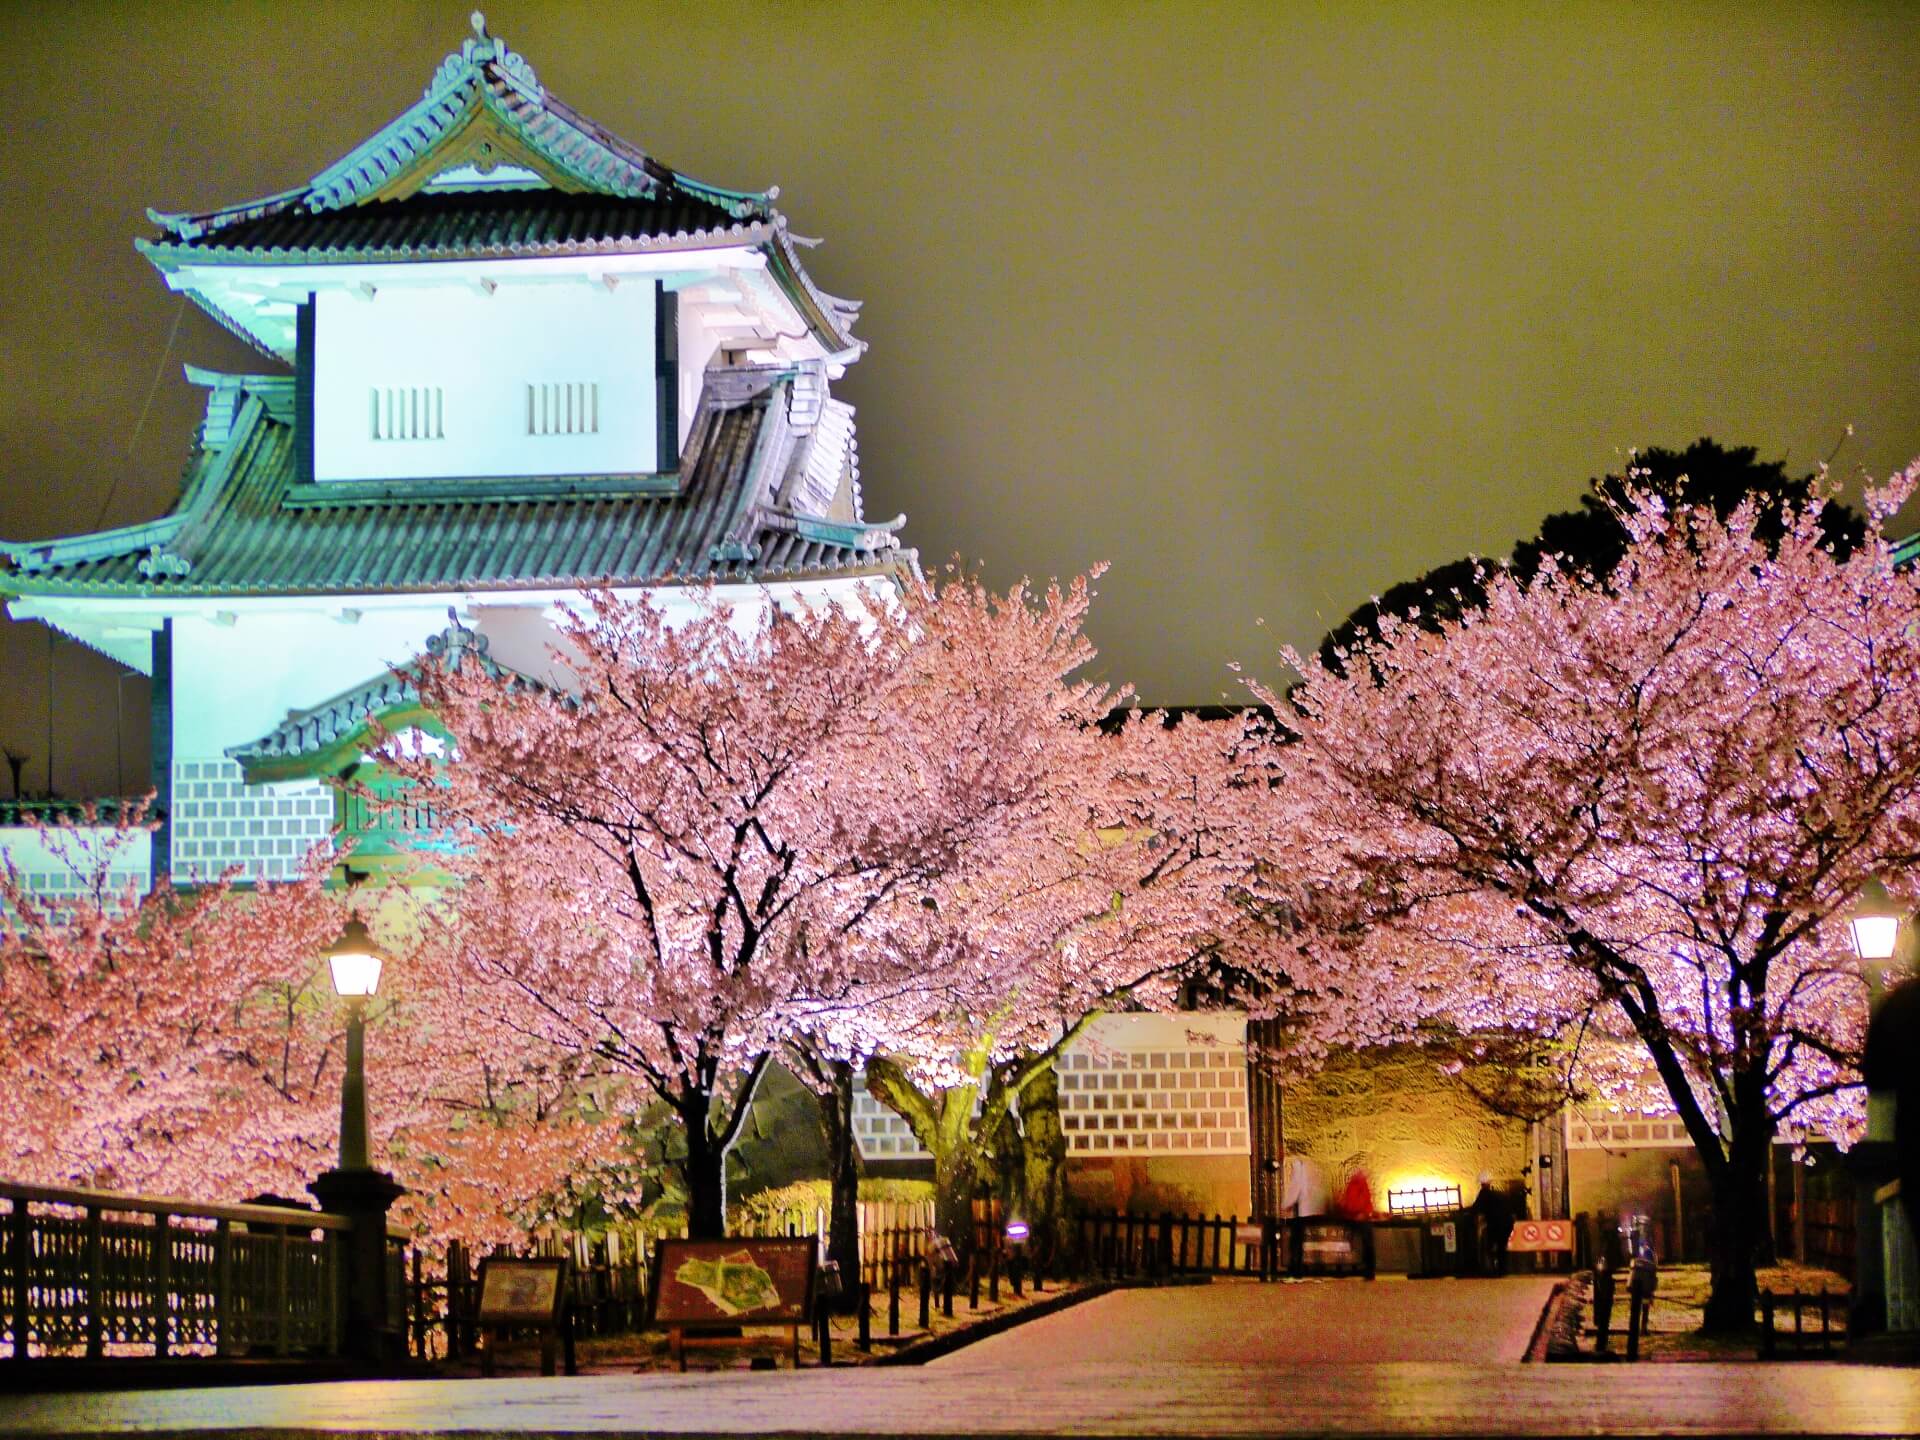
(716, 826)
(173, 1041)
(188, 1041)
(1633, 812)
(1107, 901)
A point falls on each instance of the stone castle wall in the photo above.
(1391, 1115)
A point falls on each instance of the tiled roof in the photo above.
(481, 80)
(464, 224)
(488, 164)
(307, 733)
(245, 524)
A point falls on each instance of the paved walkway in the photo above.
(1341, 1321)
(1223, 1360)
(1090, 1400)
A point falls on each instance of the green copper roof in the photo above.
(246, 524)
(483, 79)
(489, 164)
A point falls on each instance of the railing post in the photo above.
(162, 1277)
(282, 1294)
(96, 1312)
(19, 1248)
(222, 1287)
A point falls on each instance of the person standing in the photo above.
(1492, 1223)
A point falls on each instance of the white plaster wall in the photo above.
(482, 351)
(55, 865)
(234, 682)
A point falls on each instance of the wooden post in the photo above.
(926, 1294)
(19, 1251)
(865, 1340)
(973, 1281)
(993, 1276)
(96, 1274)
(946, 1290)
(1766, 1324)
(893, 1299)
(283, 1297)
(223, 1308)
(1773, 1201)
(1679, 1215)
(162, 1275)
(1800, 1210)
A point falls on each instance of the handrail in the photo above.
(284, 1217)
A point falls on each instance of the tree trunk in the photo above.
(843, 1172)
(705, 1171)
(954, 1176)
(1739, 1231)
(1044, 1155)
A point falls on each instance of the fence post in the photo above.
(222, 1283)
(19, 1248)
(1766, 1324)
(926, 1293)
(283, 1292)
(162, 1274)
(96, 1316)
(865, 1340)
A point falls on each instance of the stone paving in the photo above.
(1122, 1368)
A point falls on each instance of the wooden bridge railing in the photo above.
(95, 1274)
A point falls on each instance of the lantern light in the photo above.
(355, 962)
(1875, 923)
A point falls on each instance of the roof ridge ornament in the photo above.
(453, 644)
(483, 49)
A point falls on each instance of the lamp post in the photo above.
(1875, 930)
(1875, 926)
(355, 964)
(354, 1188)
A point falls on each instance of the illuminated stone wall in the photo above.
(1392, 1116)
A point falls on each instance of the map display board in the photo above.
(748, 1281)
(521, 1292)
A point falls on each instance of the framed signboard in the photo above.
(1325, 1246)
(521, 1292)
(726, 1284)
(525, 1294)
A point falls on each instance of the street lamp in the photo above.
(1875, 922)
(354, 1188)
(355, 962)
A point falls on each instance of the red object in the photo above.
(1356, 1199)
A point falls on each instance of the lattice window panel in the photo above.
(1164, 1101)
(563, 407)
(1628, 1130)
(409, 412)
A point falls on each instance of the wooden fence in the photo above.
(1130, 1246)
(95, 1275)
(611, 1272)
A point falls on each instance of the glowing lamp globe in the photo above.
(1875, 923)
(355, 962)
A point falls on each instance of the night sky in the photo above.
(1269, 306)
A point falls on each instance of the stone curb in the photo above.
(959, 1339)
